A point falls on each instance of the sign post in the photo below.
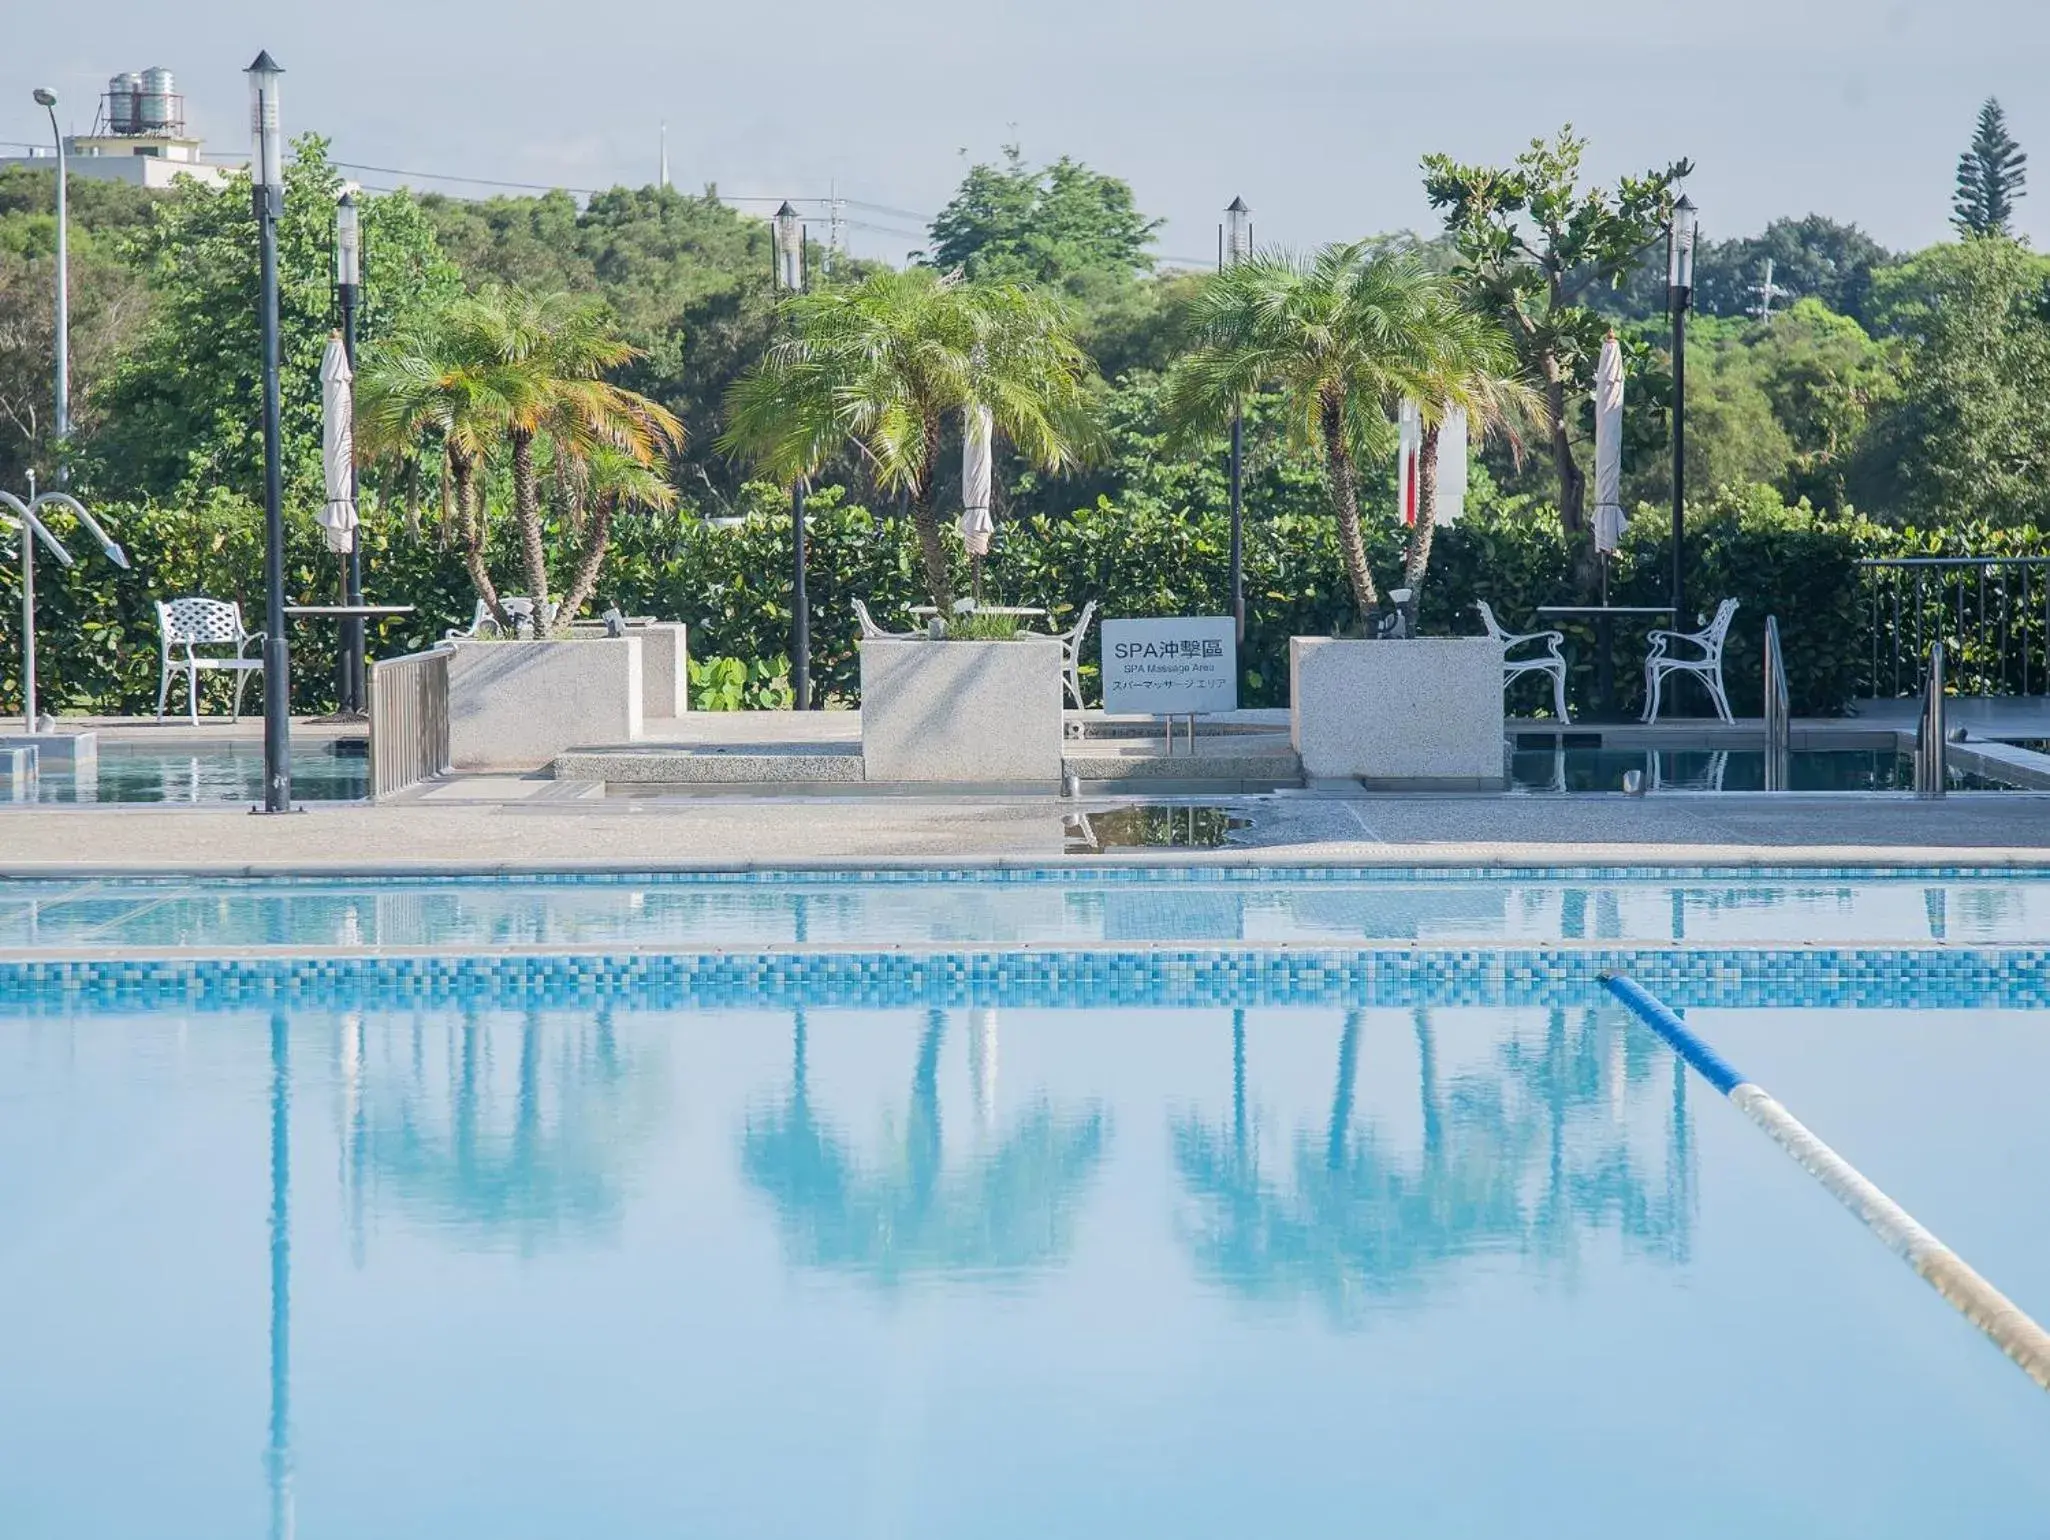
(1181, 666)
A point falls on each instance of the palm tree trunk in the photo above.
(1345, 502)
(463, 477)
(932, 550)
(527, 513)
(598, 535)
(1416, 556)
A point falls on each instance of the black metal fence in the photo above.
(1992, 614)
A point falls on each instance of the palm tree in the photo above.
(607, 481)
(1342, 335)
(882, 364)
(417, 390)
(506, 366)
(1474, 370)
(544, 358)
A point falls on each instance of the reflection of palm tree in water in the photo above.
(1008, 1211)
(1360, 1218)
(555, 1166)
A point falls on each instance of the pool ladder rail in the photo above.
(1778, 724)
(1932, 743)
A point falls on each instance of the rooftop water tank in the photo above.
(157, 105)
(123, 92)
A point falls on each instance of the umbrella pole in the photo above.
(1605, 580)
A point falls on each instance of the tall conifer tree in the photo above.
(1990, 176)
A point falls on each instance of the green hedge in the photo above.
(731, 584)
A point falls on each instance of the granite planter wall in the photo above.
(1424, 713)
(665, 664)
(986, 712)
(516, 705)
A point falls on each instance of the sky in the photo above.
(1316, 111)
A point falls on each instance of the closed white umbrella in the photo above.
(1608, 448)
(337, 446)
(1451, 499)
(976, 524)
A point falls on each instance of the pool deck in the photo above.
(726, 832)
(508, 823)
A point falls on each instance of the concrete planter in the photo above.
(516, 705)
(986, 712)
(1424, 713)
(665, 664)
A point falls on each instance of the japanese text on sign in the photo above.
(1183, 666)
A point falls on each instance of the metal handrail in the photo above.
(1932, 747)
(1953, 561)
(409, 723)
(1778, 715)
(1991, 612)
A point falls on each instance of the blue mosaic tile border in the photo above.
(1192, 977)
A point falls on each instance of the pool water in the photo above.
(1711, 770)
(1177, 1203)
(1000, 1272)
(227, 771)
(1087, 907)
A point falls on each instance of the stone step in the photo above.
(1239, 757)
(721, 764)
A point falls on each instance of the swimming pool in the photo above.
(1554, 769)
(888, 1236)
(230, 770)
(1084, 906)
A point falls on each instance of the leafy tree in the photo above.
(1061, 225)
(1534, 246)
(1813, 257)
(1990, 176)
(883, 363)
(1964, 438)
(686, 274)
(108, 303)
(180, 413)
(1340, 336)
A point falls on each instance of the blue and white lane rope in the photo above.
(2012, 1330)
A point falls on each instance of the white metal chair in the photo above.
(484, 625)
(1708, 668)
(1552, 661)
(195, 623)
(1071, 652)
(870, 631)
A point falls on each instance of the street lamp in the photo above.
(47, 100)
(789, 249)
(267, 180)
(1235, 245)
(789, 273)
(348, 274)
(1679, 291)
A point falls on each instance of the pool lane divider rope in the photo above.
(2013, 1331)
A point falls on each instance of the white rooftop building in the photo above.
(138, 137)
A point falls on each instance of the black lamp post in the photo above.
(1679, 292)
(789, 253)
(348, 274)
(267, 178)
(1234, 245)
